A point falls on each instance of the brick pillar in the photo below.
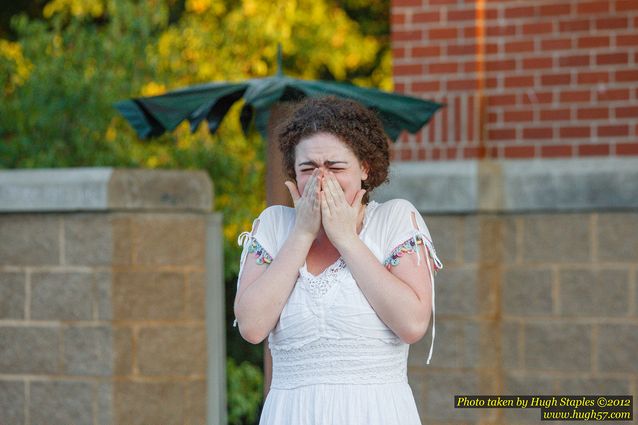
(103, 285)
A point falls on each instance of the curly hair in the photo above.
(358, 127)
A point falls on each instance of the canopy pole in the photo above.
(276, 191)
(276, 194)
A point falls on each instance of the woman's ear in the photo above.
(365, 169)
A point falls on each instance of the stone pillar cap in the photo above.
(516, 185)
(104, 188)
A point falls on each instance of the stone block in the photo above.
(511, 357)
(594, 386)
(144, 403)
(527, 292)
(88, 239)
(618, 237)
(12, 293)
(169, 239)
(29, 350)
(102, 285)
(558, 346)
(29, 239)
(594, 293)
(617, 346)
(468, 291)
(481, 343)
(418, 382)
(556, 184)
(445, 232)
(569, 184)
(438, 187)
(122, 239)
(195, 402)
(12, 402)
(511, 230)
(196, 307)
(160, 189)
(54, 189)
(518, 383)
(440, 391)
(122, 351)
(522, 383)
(61, 403)
(88, 350)
(104, 403)
(102, 188)
(457, 292)
(174, 350)
(489, 239)
(448, 346)
(556, 238)
(61, 296)
(148, 295)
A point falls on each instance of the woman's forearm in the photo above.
(394, 301)
(258, 307)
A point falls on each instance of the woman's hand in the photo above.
(307, 206)
(338, 217)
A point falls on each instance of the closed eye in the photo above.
(303, 170)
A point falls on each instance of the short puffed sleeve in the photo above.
(405, 231)
(263, 241)
(405, 228)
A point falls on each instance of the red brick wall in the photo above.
(520, 78)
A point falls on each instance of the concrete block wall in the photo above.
(102, 308)
(533, 304)
(535, 298)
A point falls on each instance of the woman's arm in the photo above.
(264, 289)
(402, 297)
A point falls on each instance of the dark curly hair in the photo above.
(355, 125)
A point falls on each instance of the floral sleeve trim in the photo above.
(410, 247)
(406, 247)
(260, 253)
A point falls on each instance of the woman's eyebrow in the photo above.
(325, 163)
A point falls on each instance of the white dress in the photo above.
(334, 361)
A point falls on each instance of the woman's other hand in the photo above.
(307, 206)
(338, 217)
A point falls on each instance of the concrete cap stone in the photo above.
(103, 188)
(552, 184)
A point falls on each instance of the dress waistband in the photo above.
(337, 361)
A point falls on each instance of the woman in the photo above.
(331, 287)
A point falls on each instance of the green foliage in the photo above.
(59, 116)
(245, 383)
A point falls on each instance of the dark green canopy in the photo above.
(152, 116)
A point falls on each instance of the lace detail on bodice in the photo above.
(320, 285)
(339, 361)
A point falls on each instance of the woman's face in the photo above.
(326, 152)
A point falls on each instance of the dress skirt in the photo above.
(339, 404)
